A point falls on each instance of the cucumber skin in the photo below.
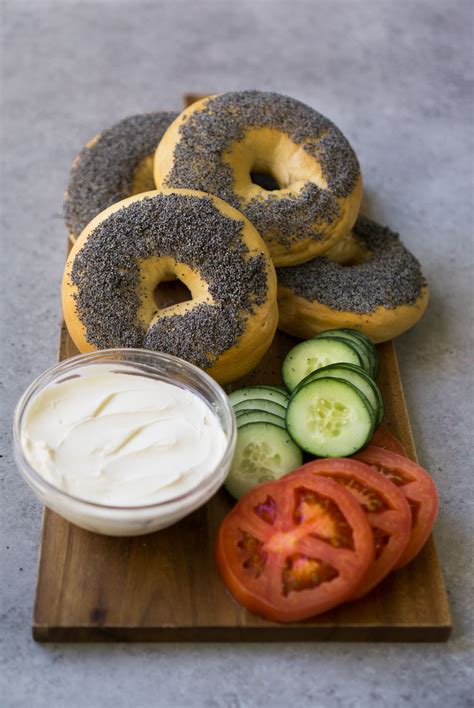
(314, 339)
(276, 387)
(270, 393)
(350, 451)
(363, 337)
(378, 414)
(360, 346)
(370, 347)
(246, 417)
(260, 404)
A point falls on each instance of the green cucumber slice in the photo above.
(263, 452)
(245, 417)
(330, 418)
(313, 354)
(372, 349)
(278, 388)
(269, 393)
(260, 404)
(357, 343)
(363, 337)
(358, 378)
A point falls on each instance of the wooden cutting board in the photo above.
(165, 586)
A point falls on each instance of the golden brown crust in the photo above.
(259, 328)
(292, 166)
(304, 319)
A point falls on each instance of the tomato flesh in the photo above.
(301, 572)
(417, 486)
(295, 547)
(385, 506)
(313, 509)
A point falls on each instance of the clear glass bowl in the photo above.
(130, 520)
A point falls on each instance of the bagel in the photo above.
(126, 251)
(281, 163)
(115, 164)
(373, 285)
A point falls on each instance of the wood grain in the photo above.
(165, 586)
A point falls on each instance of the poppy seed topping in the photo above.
(192, 231)
(391, 275)
(224, 119)
(102, 174)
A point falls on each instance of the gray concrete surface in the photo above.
(397, 78)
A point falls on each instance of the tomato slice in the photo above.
(385, 506)
(384, 438)
(294, 548)
(418, 488)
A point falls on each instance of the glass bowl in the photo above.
(130, 520)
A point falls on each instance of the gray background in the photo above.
(395, 76)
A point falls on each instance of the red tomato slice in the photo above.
(386, 508)
(418, 487)
(384, 438)
(294, 548)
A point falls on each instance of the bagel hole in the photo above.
(358, 260)
(354, 259)
(171, 292)
(349, 252)
(265, 180)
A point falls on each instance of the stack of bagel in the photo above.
(251, 199)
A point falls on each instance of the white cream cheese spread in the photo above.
(123, 439)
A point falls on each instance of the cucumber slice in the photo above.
(358, 378)
(269, 393)
(263, 452)
(363, 337)
(313, 354)
(372, 349)
(277, 388)
(246, 417)
(260, 404)
(357, 343)
(330, 418)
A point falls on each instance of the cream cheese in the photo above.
(121, 439)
